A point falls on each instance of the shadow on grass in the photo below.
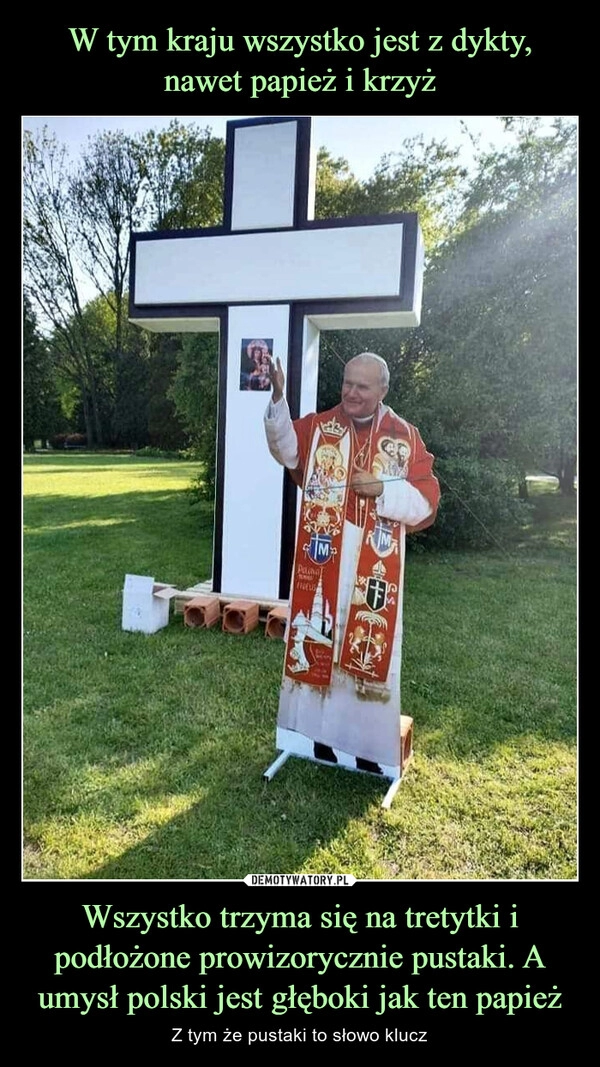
(553, 523)
(177, 761)
(93, 542)
(256, 827)
(42, 514)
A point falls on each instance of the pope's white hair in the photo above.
(372, 357)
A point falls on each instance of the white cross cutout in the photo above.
(271, 272)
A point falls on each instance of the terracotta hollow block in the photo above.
(202, 612)
(406, 739)
(240, 617)
(276, 623)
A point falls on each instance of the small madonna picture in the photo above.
(254, 364)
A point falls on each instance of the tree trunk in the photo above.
(523, 489)
(87, 418)
(98, 435)
(566, 476)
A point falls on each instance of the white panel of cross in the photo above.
(345, 262)
(264, 176)
(252, 483)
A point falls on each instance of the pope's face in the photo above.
(362, 389)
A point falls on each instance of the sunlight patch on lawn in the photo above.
(78, 846)
(76, 525)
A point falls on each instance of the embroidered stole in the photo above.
(366, 648)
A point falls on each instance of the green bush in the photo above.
(479, 503)
(194, 392)
(75, 440)
(57, 440)
(151, 452)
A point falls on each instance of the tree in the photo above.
(194, 391)
(337, 191)
(182, 169)
(42, 416)
(107, 203)
(77, 231)
(52, 279)
(425, 177)
(499, 327)
(165, 425)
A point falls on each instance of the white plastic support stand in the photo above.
(279, 762)
(391, 793)
(284, 756)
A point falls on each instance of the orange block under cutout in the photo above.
(406, 739)
(202, 612)
(276, 623)
(240, 617)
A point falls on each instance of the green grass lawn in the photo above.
(143, 755)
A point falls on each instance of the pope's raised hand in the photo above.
(277, 379)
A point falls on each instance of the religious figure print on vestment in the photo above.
(391, 458)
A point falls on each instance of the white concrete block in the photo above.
(145, 604)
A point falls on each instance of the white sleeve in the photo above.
(281, 435)
(401, 502)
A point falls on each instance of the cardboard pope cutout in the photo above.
(366, 478)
